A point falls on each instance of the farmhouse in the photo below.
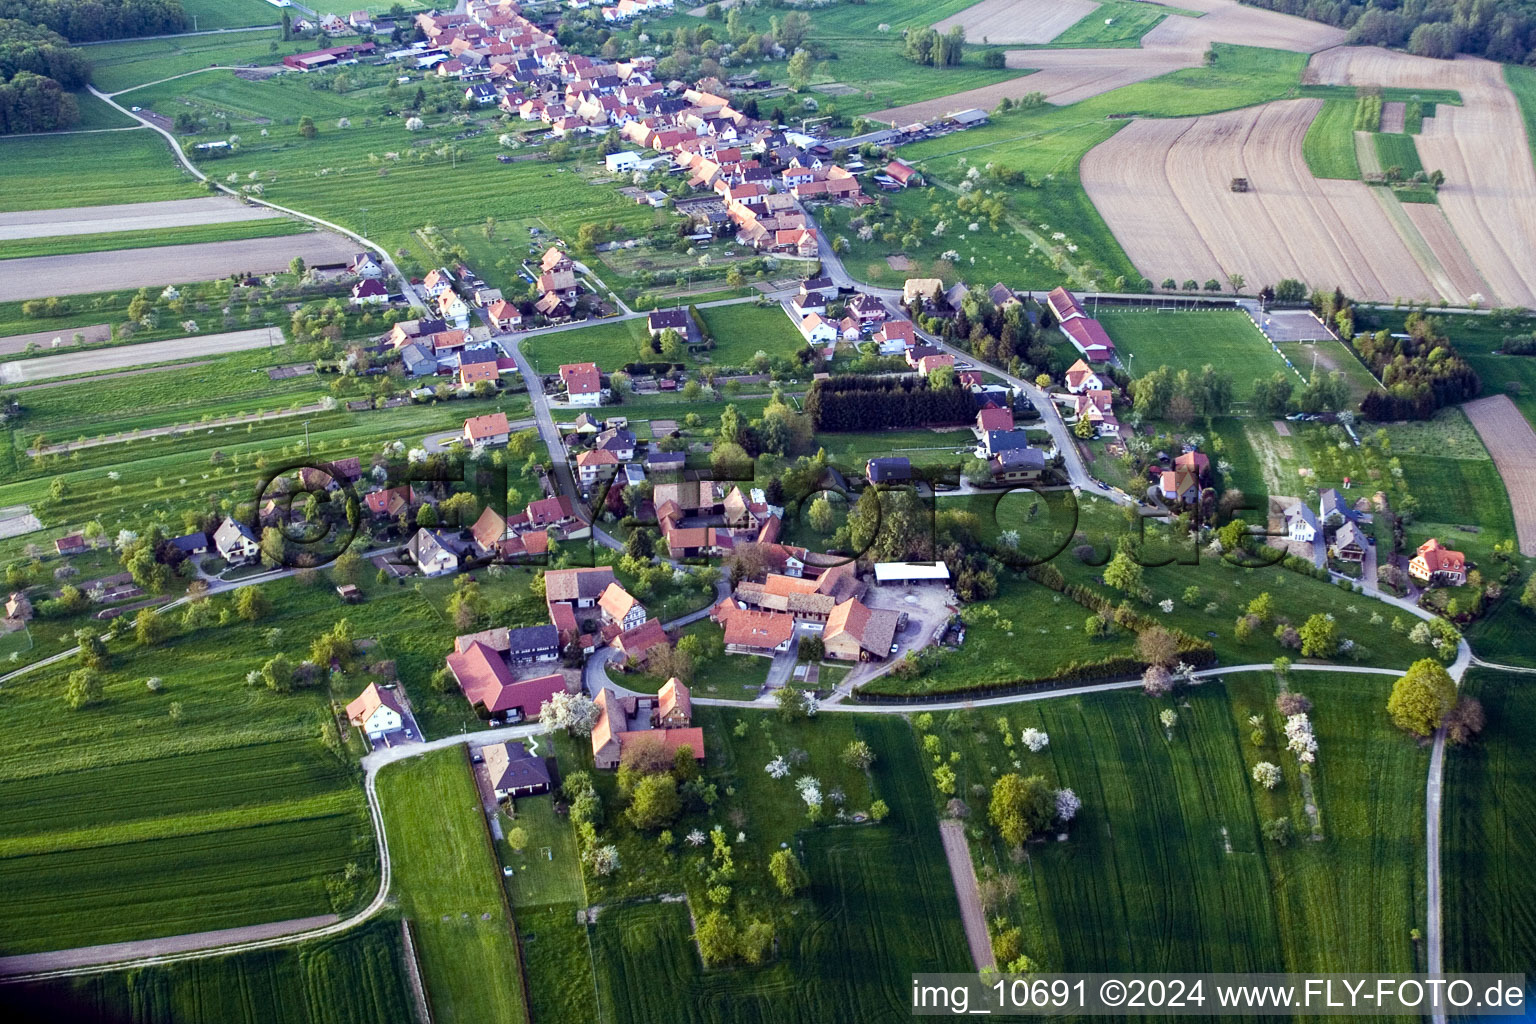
(754, 632)
(855, 632)
(1435, 563)
(636, 644)
(620, 607)
(327, 57)
(920, 289)
(376, 711)
(486, 681)
(578, 588)
(1349, 543)
(513, 771)
(235, 542)
(532, 643)
(1080, 377)
(624, 722)
(433, 552)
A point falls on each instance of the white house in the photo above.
(619, 606)
(364, 265)
(818, 331)
(432, 553)
(370, 291)
(454, 310)
(436, 282)
(1301, 524)
(235, 542)
(622, 163)
(1080, 378)
(376, 712)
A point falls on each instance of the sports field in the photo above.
(1229, 341)
(447, 880)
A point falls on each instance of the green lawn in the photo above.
(186, 235)
(1522, 82)
(446, 877)
(742, 331)
(610, 346)
(1489, 889)
(1331, 356)
(1229, 341)
(1165, 865)
(924, 447)
(127, 63)
(1329, 147)
(355, 978)
(547, 869)
(230, 13)
(1503, 634)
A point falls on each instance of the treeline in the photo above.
(995, 334)
(1498, 29)
(32, 103)
(1520, 345)
(85, 21)
(37, 67)
(1419, 372)
(857, 403)
(1182, 396)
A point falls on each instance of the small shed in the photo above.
(349, 593)
(911, 572)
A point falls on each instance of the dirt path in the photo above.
(1512, 443)
(87, 956)
(92, 220)
(83, 273)
(180, 428)
(958, 852)
(69, 364)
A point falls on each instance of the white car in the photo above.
(507, 871)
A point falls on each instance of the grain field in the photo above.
(1018, 21)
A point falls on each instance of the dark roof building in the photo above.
(888, 468)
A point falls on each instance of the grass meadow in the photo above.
(1130, 20)
(229, 14)
(446, 877)
(1165, 866)
(1229, 341)
(356, 978)
(1489, 889)
(1329, 147)
(1479, 339)
(1522, 82)
(39, 172)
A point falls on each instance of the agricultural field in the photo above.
(1398, 151)
(1158, 800)
(33, 175)
(1116, 23)
(446, 876)
(1009, 21)
(129, 63)
(356, 978)
(230, 13)
(1329, 146)
(1229, 341)
(1490, 898)
(113, 240)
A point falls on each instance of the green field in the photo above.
(110, 241)
(1522, 82)
(1165, 866)
(1131, 22)
(446, 877)
(127, 63)
(1331, 356)
(743, 330)
(230, 13)
(47, 171)
(1398, 151)
(880, 906)
(357, 978)
(1489, 890)
(1478, 338)
(1188, 341)
(1329, 147)
(547, 869)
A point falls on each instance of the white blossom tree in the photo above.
(1067, 805)
(777, 768)
(1035, 740)
(605, 860)
(576, 713)
(1267, 774)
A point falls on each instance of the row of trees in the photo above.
(1277, 394)
(861, 403)
(927, 46)
(1182, 396)
(1503, 30)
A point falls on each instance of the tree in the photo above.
(655, 802)
(517, 838)
(1157, 646)
(1279, 831)
(84, 689)
(787, 871)
(149, 628)
(793, 704)
(799, 71)
(576, 713)
(1020, 807)
(307, 127)
(277, 673)
(858, 755)
(1422, 697)
(811, 648)
(252, 604)
(878, 811)
(717, 939)
(1528, 595)
(1319, 636)
(1123, 573)
(93, 653)
(1464, 721)
(821, 516)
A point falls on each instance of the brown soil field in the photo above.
(1510, 440)
(94, 334)
(44, 367)
(91, 220)
(82, 273)
(1067, 76)
(1393, 116)
(1018, 21)
(1465, 280)
(1489, 197)
(1163, 186)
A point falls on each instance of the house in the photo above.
(622, 162)
(453, 309)
(514, 772)
(418, 362)
(993, 418)
(903, 173)
(1301, 524)
(235, 542)
(823, 288)
(549, 512)
(636, 644)
(433, 552)
(867, 309)
(552, 306)
(503, 315)
(1332, 509)
(621, 725)
(905, 573)
(1064, 305)
(555, 261)
(936, 360)
(591, 465)
(1196, 463)
(583, 383)
(191, 543)
(561, 283)
(896, 337)
(668, 320)
(887, 469)
(818, 331)
(1080, 377)
(370, 291)
(920, 289)
(620, 607)
(577, 587)
(482, 94)
(390, 502)
(488, 430)
(994, 441)
(855, 632)
(749, 631)
(1089, 337)
(674, 705)
(364, 265)
(444, 342)
(377, 712)
(437, 282)
(471, 374)
(1017, 465)
(73, 544)
(486, 681)
(1435, 563)
(1349, 543)
(1178, 485)
(18, 608)
(620, 442)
